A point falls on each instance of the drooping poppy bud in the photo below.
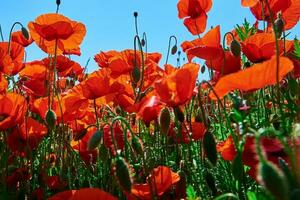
(51, 118)
(25, 32)
(273, 180)
(137, 145)
(174, 49)
(94, 141)
(136, 74)
(164, 120)
(203, 69)
(123, 175)
(210, 148)
(235, 48)
(80, 135)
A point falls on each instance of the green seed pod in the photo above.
(237, 167)
(57, 2)
(164, 120)
(95, 140)
(136, 74)
(122, 174)
(135, 14)
(279, 26)
(210, 181)
(210, 149)
(25, 32)
(137, 145)
(235, 48)
(51, 118)
(179, 114)
(273, 180)
(174, 49)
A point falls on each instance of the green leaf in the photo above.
(251, 195)
(297, 48)
(190, 192)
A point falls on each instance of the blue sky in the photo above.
(110, 24)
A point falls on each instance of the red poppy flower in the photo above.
(19, 175)
(20, 137)
(99, 84)
(48, 28)
(33, 78)
(88, 156)
(177, 88)
(227, 63)
(161, 179)
(149, 108)
(19, 38)
(83, 193)
(288, 8)
(64, 66)
(261, 47)
(188, 135)
(3, 83)
(194, 14)
(11, 63)
(118, 137)
(249, 3)
(12, 110)
(208, 47)
(253, 78)
(272, 148)
(124, 61)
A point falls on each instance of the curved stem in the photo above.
(10, 33)
(169, 46)
(137, 40)
(1, 34)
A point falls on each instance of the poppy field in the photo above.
(138, 128)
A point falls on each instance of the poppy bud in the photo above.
(179, 114)
(57, 2)
(210, 149)
(25, 32)
(273, 180)
(203, 69)
(279, 25)
(143, 42)
(94, 141)
(164, 120)
(137, 145)
(80, 135)
(51, 118)
(174, 49)
(135, 14)
(235, 48)
(210, 181)
(122, 174)
(136, 74)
